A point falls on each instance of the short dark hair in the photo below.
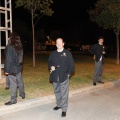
(101, 38)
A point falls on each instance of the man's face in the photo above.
(101, 41)
(59, 44)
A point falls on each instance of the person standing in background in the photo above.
(98, 52)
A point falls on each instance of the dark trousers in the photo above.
(7, 82)
(14, 82)
(61, 92)
(98, 71)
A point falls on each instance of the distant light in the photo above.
(47, 37)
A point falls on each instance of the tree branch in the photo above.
(38, 19)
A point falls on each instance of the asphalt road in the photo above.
(103, 104)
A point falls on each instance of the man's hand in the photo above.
(94, 57)
(52, 68)
(103, 52)
(6, 73)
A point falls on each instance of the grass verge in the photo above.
(36, 79)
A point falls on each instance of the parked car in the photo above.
(41, 46)
(85, 48)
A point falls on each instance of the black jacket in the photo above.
(11, 66)
(65, 62)
(97, 50)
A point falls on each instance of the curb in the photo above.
(51, 98)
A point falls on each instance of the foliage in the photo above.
(38, 6)
(106, 14)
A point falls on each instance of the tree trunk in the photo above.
(33, 41)
(117, 38)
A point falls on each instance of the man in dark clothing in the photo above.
(97, 51)
(13, 68)
(61, 66)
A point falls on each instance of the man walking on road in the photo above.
(61, 66)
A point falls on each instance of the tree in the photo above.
(106, 13)
(37, 8)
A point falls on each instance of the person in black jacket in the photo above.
(61, 66)
(13, 68)
(98, 52)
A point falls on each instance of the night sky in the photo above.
(70, 18)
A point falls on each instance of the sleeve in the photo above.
(50, 61)
(8, 60)
(92, 50)
(71, 68)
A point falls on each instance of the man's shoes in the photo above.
(23, 97)
(94, 83)
(63, 114)
(10, 103)
(100, 82)
(7, 88)
(56, 108)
